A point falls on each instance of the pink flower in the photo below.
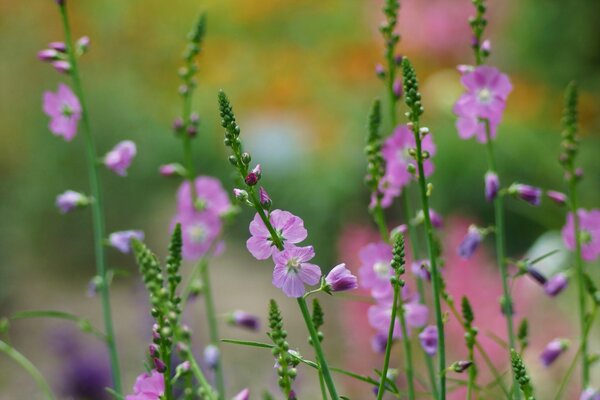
(210, 196)
(122, 240)
(292, 271)
(341, 279)
(119, 159)
(199, 231)
(70, 200)
(485, 98)
(289, 227)
(553, 350)
(395, 153)
(64, 111)
(589, 226)
(376, 270)
(148, 387)
(429, 340)
(415, 314)
(243, 395)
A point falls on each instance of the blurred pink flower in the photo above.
(292, 271)
(148, 387)
(589, 225)
(119, 159)
(209, 195)
(64, 110)
(199, 232)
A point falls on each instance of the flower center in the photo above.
(67, 111)
(293, 265)
(585, 237)
(484, 95)
(200, 204)
(381, 269)
(197, 233)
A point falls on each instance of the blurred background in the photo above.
(301, 79)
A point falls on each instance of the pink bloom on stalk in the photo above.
(119, 159)
(169, 170)
(590, 394)
(58, 46)
(122, 240)
(553, 350)
(64, 111)
(589, 226)
(148, 387)
(62, 66)
(70, 200)
(429, 340)
(199, 232)
(395, 153)
(210, 196)
(292, 271)
(376, 270)
(47, 55)
(415, 314)
(485, 98)
(340, 279)
(243, 395)
(289, 227)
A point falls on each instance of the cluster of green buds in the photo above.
(375, 161)
(286, 364)
(478, 24)
(390, 9)
(318, 319)
(412, 96)
(523, 334)
(570, 139)
(470, 331)
(521, 375)
(398, 262)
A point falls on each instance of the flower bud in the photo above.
(460, 366)
(340, 279)
(557, 197)
(265, 200)
(64, 67)
(492, 185)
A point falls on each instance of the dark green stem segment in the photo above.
(323, 366)
(507, 303)
(96, 205)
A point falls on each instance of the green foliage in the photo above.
(285, 362)
(523, 334)
(478, 24)
(174, 261)
(570, 140)
(521, 375)
(375, 162)
(412, 97)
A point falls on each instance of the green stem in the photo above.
(435, 273)
(388, 346)
(209, 393)
(29, 367)
(407, 350)
(324, 368)
(581, 292)
(96, 205)
(212, 327)
(500, 256)
(472, 375)
(414, 246)
(322, 386)
(380, 221)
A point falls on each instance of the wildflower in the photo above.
(62, 66)
(492, 184)
(553, 349)
(173, 169)
(530, 194)
(253, 176)
(199, 231)
(292, 271)
(61, 47)
(470, 243)
(556, 284)
(265, 200)
(148, 387)
(376, 270)
(64, 110)
(70, 200)
(380, 314)
(536, 275)
(159, 364)
(48, 55)
(340, 279)
(122, 240)
(590, 394)
(589, 227)
(397, 88)
(289, 228)
(486, 46)
(557, 197)
(416, 314)
(436, 219)
(243, 395)
(212, 356)
(429, 340)
(421, 269)
(240, 194)
(460, 366)
(243, 319)
(209, 196)
(395, 152)
(82, 44)
(119, 159)
(379, 70)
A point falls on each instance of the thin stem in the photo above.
(407, 350)
(581, 292)
(435, 273)
(209, 393)
(472, 375)
(500, 255)
(324, 368)
(96, 205)
(380, 221)
(29, 367)
(212, 327)
(388, 346)
(322, 386)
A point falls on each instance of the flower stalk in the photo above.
(97, 205)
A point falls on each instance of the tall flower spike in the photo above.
(570, 142)
(521, 375)
(412, 97)
(285, 364)
(478, 24)
(375, 163)
(174, 261)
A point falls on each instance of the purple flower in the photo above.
(340, 279)
(265, 200)
(536, 275)
(253, 176)
(486, 46)
(556, 284)
(553, 349)
(159, 365)
(199, 231)
(246, 320)
(119, 159)
(470, 243)
(292, 271)
(122, 240)
(397, 88)
(380, 314)
(379, 70)
(492, 184)
(485, 98)
(85, 376)
(289, 227)
(379, 342)
(212, 356)
(395, 153)
(590, 394)
(148, 387)
(62, 66)
(421, 269)
(530, 194)
(168, 170)
(429, 340)
(416, 314)
(82, 44)
(58, 46)
(557, 197)
(47, 55)
(589, 226)
(243, 395)
(64, 111)
(209, 196)
(376, 270)
(70, 200)
(436, 219)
